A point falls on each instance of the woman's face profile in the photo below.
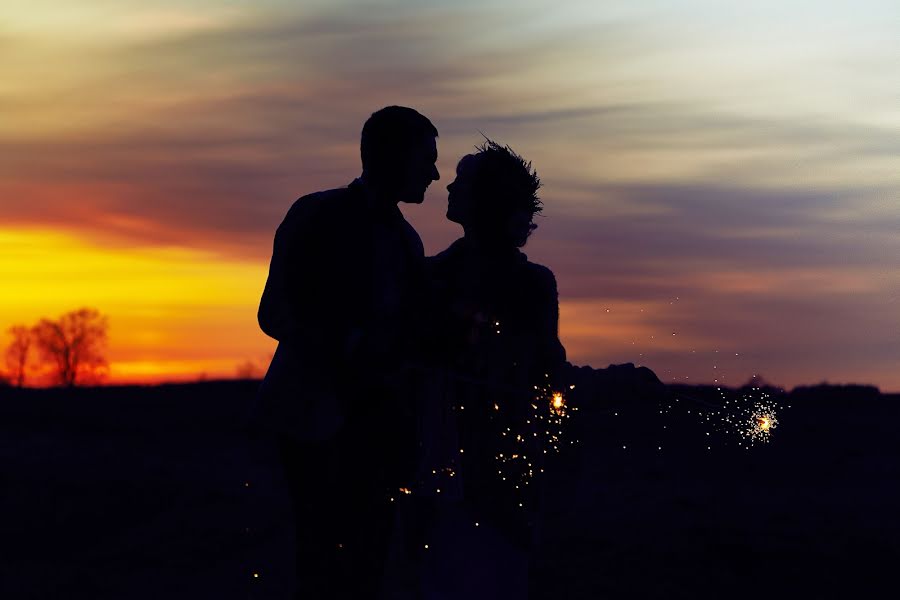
(459, 198)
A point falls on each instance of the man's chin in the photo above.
(414, 198)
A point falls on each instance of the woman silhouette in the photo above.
(482, 451)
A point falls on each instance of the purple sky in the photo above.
(721, 172)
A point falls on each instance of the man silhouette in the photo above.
(344, 286)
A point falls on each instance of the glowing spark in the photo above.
(762, 422)
(558, 405)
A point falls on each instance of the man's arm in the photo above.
(273, 315)
(278, 313)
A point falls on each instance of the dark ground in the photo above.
(140, 493)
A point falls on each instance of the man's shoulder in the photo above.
(318, 207)
(323, 198)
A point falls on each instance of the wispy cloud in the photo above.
(679, 159)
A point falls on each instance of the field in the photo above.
(158, 492)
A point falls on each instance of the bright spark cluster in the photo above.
(762, 422)
(551, 411)
(749, 418)
(544, 432)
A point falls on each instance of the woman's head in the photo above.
(494, 196)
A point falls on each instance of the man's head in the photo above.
(399, 152)
(494, 195)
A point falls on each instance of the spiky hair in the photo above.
(504, 180)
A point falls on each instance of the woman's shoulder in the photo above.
(539, 276)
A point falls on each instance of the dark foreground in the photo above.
(144, 493)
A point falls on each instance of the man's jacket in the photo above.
(342, 289)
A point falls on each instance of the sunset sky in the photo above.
(722, 183)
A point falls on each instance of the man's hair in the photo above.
(503, 183)
(389, 135)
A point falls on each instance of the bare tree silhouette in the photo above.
(248, 370)
(17, 354)
(74, 345)
(253, 368)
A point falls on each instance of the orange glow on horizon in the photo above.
(175, 313)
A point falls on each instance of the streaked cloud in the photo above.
(730, 154)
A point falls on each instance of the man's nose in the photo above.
(435, 175)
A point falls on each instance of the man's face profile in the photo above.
(419, 171)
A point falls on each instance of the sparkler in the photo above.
(524, 439)
(763, 421)
(500, 409)
(542, 433)
(558, 405)
(553, 418)
(750, 418)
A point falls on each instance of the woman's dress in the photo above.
(483, 425)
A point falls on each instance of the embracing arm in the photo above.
(553, 353)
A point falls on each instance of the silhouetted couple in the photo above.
(401, 383)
